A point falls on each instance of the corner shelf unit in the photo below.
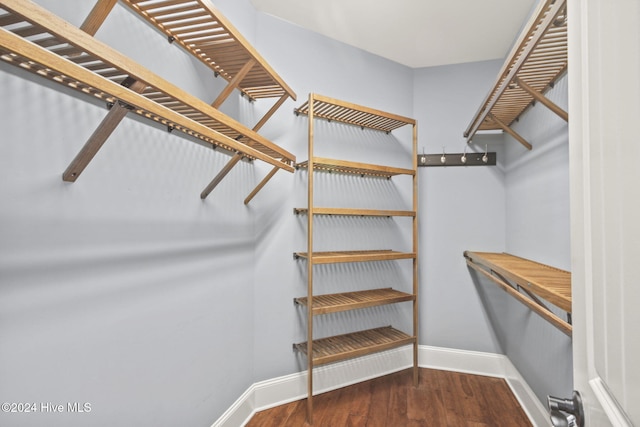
(538, 58)
(529, 282)
(359, 343)
(38, 41)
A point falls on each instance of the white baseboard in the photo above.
(289, 388)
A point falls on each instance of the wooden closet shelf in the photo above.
(353, 114)
(538, 59)
(355, 168)
(40, 42)
(534, 278)
(355, 256)
(331, 303)
(204, 32)
(347, 346)
(353, 212)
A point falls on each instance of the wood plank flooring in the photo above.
(442, 399)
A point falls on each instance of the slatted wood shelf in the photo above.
(355, 168)
(353, 114)
(332, 303)
(538, 58)
(354, 212)
(535, 279)
(335, 257)
(204, 32)
(40, 42)
(356, 344)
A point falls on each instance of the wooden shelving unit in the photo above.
(538, 58)
(358, 343)
(529, 282)
(38, 41)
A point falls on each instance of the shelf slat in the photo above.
(355, 256)
(331, 303)
(356, 344)
(354, 212)
(356, 168)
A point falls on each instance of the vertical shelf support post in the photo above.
(310, 268)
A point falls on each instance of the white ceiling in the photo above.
(416, 33)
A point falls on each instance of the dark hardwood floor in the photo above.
(442, 399)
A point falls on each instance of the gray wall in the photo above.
(126, 290)
(461, 207)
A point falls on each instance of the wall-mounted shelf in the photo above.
(40, 42)
(538, 59)
(360, 343)
(531, 281)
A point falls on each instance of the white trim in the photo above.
(289, 388)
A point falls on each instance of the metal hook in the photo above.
(485, 158)
(423, 158)
(443, 159)
(463, 159)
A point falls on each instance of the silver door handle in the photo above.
(566, 412)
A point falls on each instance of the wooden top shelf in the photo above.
(354, 212)
(353, 114)
(331, 303)
(355, 168)
(538, 59)
(42, 43)
(204, 32)
(341, 347)
(355, 256)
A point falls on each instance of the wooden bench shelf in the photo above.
(331, 303)
(532, 278)
(355, 256)
(354, 168)
(356, 344)
(538, 59)
(40, 42)
(353, 212)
